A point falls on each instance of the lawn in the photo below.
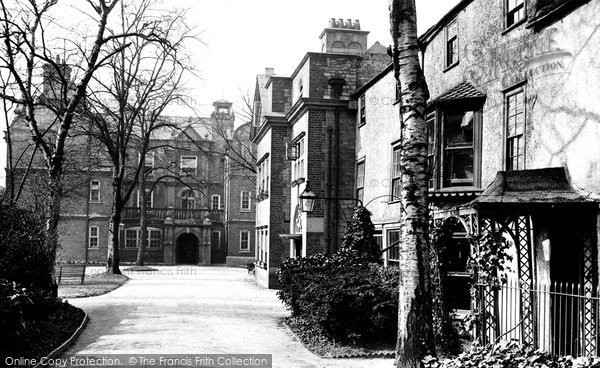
(93, 285)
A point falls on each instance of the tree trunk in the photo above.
(112, 261)
(415, 332)
(143, 218)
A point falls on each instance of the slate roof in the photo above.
(463, 91)
(531, 187)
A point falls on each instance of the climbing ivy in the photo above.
(488, 265)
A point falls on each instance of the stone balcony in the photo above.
(177, 215)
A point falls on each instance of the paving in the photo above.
(196, 310)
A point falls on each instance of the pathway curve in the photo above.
(196, 310)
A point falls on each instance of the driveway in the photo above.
(196, 310)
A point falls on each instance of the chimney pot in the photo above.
(349, 24)
(340, 23)
(332, 23)
(357, 24)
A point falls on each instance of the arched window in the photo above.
(458, 251)
(188, 199)
(338, 46)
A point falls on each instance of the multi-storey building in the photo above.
(305, 133)
(512, 125)
(190, 217)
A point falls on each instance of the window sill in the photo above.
(95, 202)
(244, 252)
(246, 211)
(93, 248)
(516, 25)
(451, 66)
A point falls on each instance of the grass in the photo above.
(42, 334)
(319, 342)
(93, 285)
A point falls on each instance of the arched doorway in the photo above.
(187, 249)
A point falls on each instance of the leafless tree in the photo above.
(415, 332)
(125, 109)
(31, 40)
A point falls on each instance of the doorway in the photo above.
(187, 249)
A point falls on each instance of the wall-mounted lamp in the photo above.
(121, 226)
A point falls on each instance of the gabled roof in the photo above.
(531, 187)
(464, 91)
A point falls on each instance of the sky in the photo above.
(242, 37)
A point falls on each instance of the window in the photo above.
(299, 163)
(189, 164)
(362, 109)
(93, 237)
(515, 12)
(515, 126)
(396, 174)
(458, 252)
(393, 253)
(245, 201)
(215, 202)
(95, 191)
(454, 148)
(131, 236)
(188, 200)
(149, 161)
(452, 43)
(245, 240)
(263, 179)
(431, 149)
(153, 238)
(458, 148)
(360, 180)
(149, 198)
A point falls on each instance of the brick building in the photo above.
(305, 133)
(191, 218)
(512, 124)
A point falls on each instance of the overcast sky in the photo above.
(242, 37)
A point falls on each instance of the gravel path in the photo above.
(196, 310)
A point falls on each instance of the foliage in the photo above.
(25, 248)
(489, 264)
(447, 340)
(346, 295)
(508, 355)
(359, 236)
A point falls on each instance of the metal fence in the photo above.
(562, 318)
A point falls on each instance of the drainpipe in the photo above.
(337, 85)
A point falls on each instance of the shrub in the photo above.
(509, 355)
(359, 238)
(25, 248)
(346, 295)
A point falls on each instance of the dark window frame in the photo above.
(518, 137)
(510, 12)
(362, 109)
(360, 184)
(437, 181)
(396, 174)
(451, 50)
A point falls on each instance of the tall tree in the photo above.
(31, 40)
(125, 107)
(415, 332)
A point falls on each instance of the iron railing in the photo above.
(177, 214)
(562, 319)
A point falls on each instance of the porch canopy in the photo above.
(549, 187)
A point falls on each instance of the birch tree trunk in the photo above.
(415, 332)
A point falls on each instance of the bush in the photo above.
(359, 238)
(509, 355)
(25, 249)
(344, 294)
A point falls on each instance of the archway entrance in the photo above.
(187, 249)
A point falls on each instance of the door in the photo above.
(218, 252)
(187, 249)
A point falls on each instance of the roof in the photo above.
(432, 31)
(463, 91)
(548, 11)
(531, 187)
(373, 80)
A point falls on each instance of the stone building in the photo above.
(192, 219)
(305, 133)
(513, 129)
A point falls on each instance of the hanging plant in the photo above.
(489, 264)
